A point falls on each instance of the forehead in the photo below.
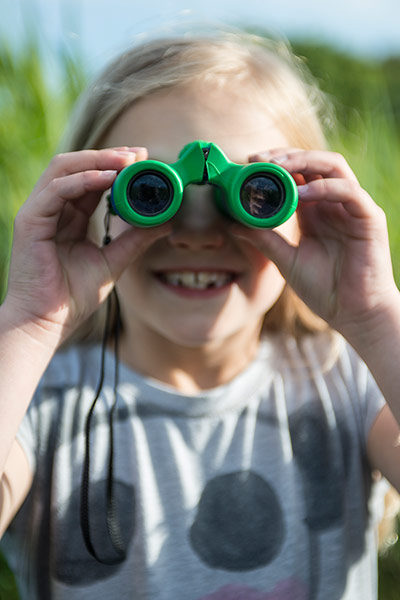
(165, 121)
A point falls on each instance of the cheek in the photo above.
(265, 283)
(270, 284)
(290, 230)
(265, 279)
(118, 226)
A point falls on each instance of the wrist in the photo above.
(31, 333)
(378, 332)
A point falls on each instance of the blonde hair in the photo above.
(230, 61)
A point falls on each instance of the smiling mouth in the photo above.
(197, 280)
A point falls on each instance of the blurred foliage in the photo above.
(365, 96)
(370, 88)
(8, 588)
(389, 570)
(34, 105)
(35, 102)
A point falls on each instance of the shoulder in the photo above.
(329, 352)
(326, 366)
(71, 367)
(63, 396)
(69, 373)
(324, 353)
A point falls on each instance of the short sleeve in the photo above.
(371, 398)
(344, 382)
(43, 410)
(27, 434)
(366, 397)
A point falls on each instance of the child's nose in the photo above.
(198, 224)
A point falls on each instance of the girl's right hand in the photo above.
(58, 276)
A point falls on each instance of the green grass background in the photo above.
(35, 103)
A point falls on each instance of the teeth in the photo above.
(187, 279)
(206, 278)
(199, 281)
(173, 278)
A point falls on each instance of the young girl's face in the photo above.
(200, 285)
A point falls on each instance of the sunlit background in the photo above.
(101, 28)
(49, 49)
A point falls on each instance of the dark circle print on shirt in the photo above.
(73, 564)
(322, 466)
(239, 523)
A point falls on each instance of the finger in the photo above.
(324, 220)
(270, 243)
(129, 245)
(315, 162)
(74, 219)
(90, 160)
(357, 202)
(278, 156)
(51, 201)
(268, 155)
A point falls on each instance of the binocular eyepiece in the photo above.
(150, 192)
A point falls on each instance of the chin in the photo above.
(197, 337)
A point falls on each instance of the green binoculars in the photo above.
(150, 192)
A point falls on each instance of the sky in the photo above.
(100, 29)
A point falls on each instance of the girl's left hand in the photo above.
(341, 266)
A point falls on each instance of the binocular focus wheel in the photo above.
(149, 193)
(262, 195)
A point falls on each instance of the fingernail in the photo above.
(124, 152)
(261, 156)
(302, 189)
(108, 174)
(279, 159)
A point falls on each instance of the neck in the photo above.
(189, 369)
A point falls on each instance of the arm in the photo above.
(342, 269)
(58, 277)
(22, 362)
(23, 358)
(14, 485)
(379, 347)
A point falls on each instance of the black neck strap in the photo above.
(112, 521)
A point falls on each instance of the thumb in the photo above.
(272, 244)
(124, 249)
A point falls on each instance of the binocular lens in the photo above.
(262, 196)
(149, 193)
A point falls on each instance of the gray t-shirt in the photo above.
(256, 490)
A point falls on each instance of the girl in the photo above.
(255, 365)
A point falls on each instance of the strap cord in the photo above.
(113, 525)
